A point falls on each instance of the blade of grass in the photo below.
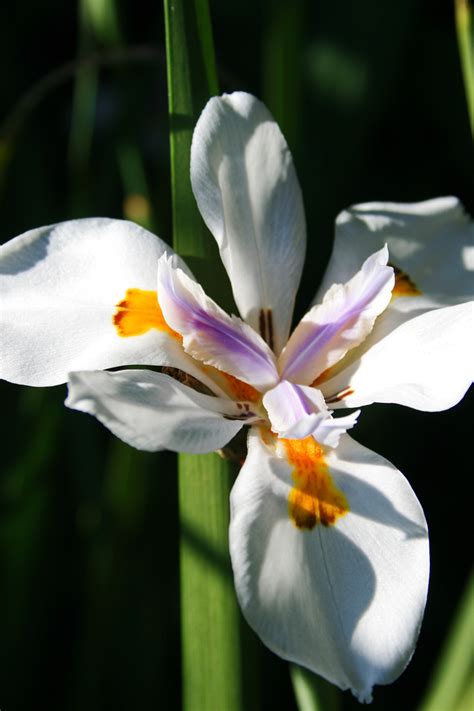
(282, 72)
(136, 203)
(84, 102)
(104, 22)
(452, 676)
(465, 33)
(313, 693)
(210, 619)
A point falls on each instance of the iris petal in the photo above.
(209, 334)
(340, 323)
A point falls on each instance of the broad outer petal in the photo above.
(247, 191)
(426, 363)
(346, 600)
(152, 411)
(59, 288)
(431, 241)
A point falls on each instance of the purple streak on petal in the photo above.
(296, 411)
(320, 335)
(222, 334)
(287, 406)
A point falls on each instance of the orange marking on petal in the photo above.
(404, 286)
(341, 395)
(234, 387)
(314, 498)
(139, 312)
(325, 375)
(241, 390)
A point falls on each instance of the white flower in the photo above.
(328, 542)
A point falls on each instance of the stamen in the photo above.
(187, 379)
(340, 395)
(265, 325)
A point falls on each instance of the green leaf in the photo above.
(282, 66)
(465, 32)
(210, 619)
(191, 82)
(313, 693)
(452, 679)
(85, 99)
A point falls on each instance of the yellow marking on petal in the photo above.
(139, 312)
(315, 498)
(404, 286)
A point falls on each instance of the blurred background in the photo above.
(371, 100)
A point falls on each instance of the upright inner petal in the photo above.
(314, 499)
(341, 322)
(297, 411)
(210, 335)
(294, 411)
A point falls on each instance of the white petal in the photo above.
(60, 286)
(152, 411)
(247, 191)
(291, 412)
(431, 241)
(297, 411)
(426, 363)
(331, 429)
(340, 323)
(343, 600)
(209, 334)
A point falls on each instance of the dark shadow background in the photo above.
(370, 97)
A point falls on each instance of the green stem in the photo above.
(210, 618)
(465, 33)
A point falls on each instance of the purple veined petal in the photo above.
(425, 363)
(298, 411)
(211, 335)
(343, 320)
(289, 409)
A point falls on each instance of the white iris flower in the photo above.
(328, 542)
